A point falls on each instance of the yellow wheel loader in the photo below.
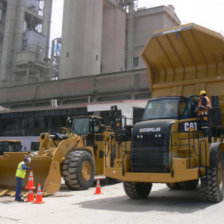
(76, 156)
(10, 146)
(173, 144)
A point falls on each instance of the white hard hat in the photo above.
(28, 159)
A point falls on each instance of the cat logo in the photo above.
(190, 126)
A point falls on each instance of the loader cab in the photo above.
(86, 125)
(10, 146)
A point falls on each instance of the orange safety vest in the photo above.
(204, 111)
(208, 104)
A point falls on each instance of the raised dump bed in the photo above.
(184, 60)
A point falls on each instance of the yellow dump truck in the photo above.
(170, 145)
(76, 156)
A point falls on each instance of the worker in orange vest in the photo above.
(204, 102)
(203, 106)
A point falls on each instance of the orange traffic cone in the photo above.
(30, 184)
(30, 197)
(39, 196)
(98, 188)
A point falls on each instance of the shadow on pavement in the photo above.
(161, 200)
(103, 182)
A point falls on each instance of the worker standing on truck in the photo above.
(20, 175)
(204, 102)
(203, 106)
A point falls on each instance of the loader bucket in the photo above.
(46, 167)
(39, 164)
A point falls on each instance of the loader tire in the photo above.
(79, 169)
(173, 186)
(137, 190)
(188, 185)
(65, 165)
(212, 185)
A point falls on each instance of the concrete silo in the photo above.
(81, 38)
(113, 38)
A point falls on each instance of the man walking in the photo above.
(20, 175)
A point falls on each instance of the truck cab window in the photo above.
(191, 106)
(182, 107)
(162, 108)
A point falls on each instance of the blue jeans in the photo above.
(19, 184)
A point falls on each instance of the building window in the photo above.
(136, 61)
(0, 14)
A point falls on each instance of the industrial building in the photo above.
(100, 39)
(94, 64)
(107, 36)
(24, 41)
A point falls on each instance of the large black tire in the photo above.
(188, 185)
(65, 165)
(137, 190)
(212, 185)
(78, 170)
(173, 186)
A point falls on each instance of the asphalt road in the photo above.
(113, 206)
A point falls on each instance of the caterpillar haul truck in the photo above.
(76, 156)
(172, 144)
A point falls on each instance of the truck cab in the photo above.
(151, 136)
(165, 108)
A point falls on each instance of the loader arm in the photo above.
(53, 181)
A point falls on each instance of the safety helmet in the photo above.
(28, 159)
(202, 92)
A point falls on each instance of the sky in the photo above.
(208, 13)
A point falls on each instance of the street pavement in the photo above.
(163, 206)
